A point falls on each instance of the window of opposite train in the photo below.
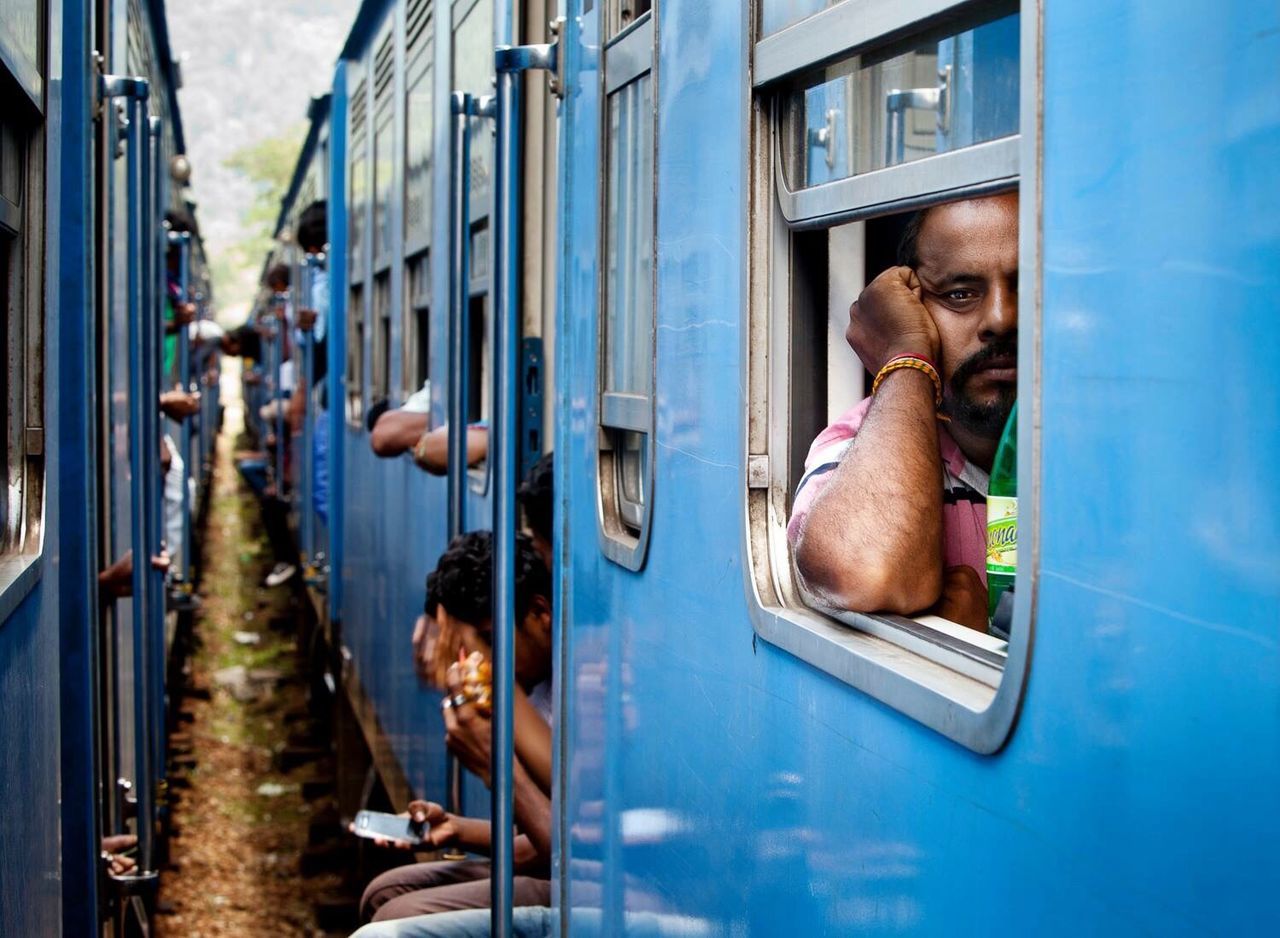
(891, 163)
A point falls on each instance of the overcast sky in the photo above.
(249, 68)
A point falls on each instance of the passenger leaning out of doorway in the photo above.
(890, 515)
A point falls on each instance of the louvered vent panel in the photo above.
(359, 109)
(416, 18)
(384, 67)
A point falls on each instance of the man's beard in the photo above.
(984, 419)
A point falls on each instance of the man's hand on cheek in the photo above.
(468, 735)
(888, 319)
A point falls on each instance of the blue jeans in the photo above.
(528, 921)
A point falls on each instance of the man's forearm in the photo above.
(533, 810)
(473, 834)
(873, 537)
(396, 432)
(532, 741)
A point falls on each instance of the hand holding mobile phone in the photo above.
(378, 825)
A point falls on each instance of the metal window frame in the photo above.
(420, 74)
(845, 29)
(415, 313)
(620, 541)
(21, 562)
(918, 667)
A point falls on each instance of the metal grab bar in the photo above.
(136, 91)
(280, 322)
(463, 107)
(155, 282)
(306, 469)
(460, 107)
(504, 451)
(184, 563)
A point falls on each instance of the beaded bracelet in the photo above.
(916, 363)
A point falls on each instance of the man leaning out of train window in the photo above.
(890, 515)
(459, 598)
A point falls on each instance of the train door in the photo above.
(130, 272)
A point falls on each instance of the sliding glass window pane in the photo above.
(927, 95)
(473, 73)
(418, 131)
(779, 14)
(359, 195)
(629, 240)
(383, 170)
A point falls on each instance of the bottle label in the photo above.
(1002, 533)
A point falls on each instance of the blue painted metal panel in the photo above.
(736, 788)
(30, 882)
(338, 296)
(71, 384)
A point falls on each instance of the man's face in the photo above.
(968, 270)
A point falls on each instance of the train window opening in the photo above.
(380, 378)
(625, 462)
(21, 342)
(8, 495)
(621, 14)
(416, 362)
(479, 380)
(355, 357)
(876, 173)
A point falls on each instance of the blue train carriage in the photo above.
(302, 232)
(734, 760)
(410, 313)
(90, 128)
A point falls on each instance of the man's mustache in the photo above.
(1003, 347)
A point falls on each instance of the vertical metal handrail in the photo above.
(460, 106)
(306, 469)
(186, 565)
(155, 283)
(504, 450)
(280, 322)
(135, 91)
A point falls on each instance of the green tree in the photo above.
(268, 166)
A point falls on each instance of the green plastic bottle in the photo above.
(1002, 515)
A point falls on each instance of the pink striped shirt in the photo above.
(964, 489)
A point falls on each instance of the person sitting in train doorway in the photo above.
(460, 598)
(890, 514)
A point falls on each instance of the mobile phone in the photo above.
(379, 825)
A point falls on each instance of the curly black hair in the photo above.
(537, 496)
(462, 581)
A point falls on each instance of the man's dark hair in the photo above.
(277, 273)
(537, 496)
(180, 221)
(908, 244)
(247, 340)
(371, 416)
(313, 228)
(462, 581)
